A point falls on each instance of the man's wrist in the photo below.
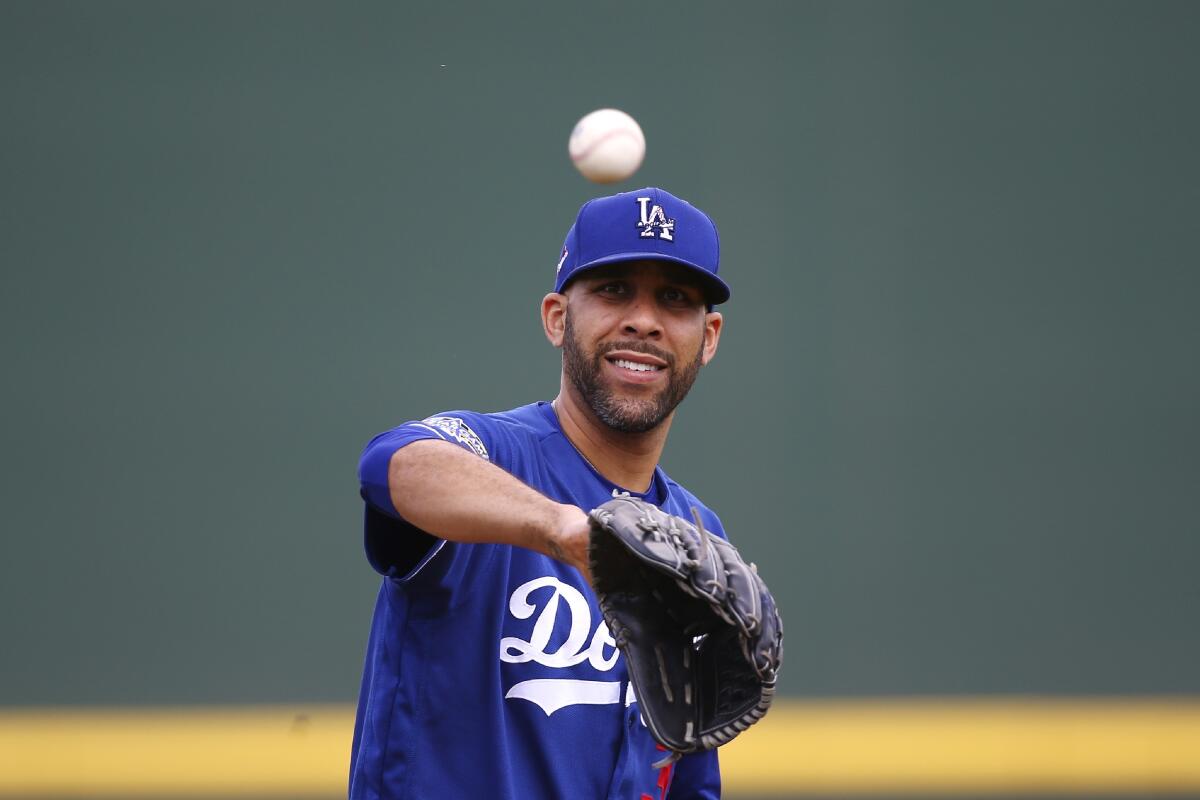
(567, 538)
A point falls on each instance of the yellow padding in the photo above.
(971, 746)
(289, 752)
(906, 746)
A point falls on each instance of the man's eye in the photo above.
(614, 287)
(676, 296)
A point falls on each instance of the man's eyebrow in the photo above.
(674, 274)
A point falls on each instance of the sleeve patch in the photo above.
(460, 432)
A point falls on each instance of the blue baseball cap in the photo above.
(647, 224)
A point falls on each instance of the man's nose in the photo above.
(642, 320)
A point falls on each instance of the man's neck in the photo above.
(626, 459)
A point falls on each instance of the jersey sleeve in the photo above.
(697, 777)
(395, 547)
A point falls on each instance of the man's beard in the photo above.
(625, 414)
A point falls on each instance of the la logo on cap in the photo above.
(654, 221)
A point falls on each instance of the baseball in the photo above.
(607, 146)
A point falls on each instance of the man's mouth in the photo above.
(632, 360)
(634, 365)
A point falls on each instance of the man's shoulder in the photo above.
(475, 429)
(680, 502)
(680, 493)
(530, 418)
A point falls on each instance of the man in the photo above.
(490, 672)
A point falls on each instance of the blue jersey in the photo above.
(490, 672)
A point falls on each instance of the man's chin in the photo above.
(631, 416)
(637, 399)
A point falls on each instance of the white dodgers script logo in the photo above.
(598, 649)
(654, 221)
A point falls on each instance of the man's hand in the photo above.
(569, 540)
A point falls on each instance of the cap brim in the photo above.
(715, 289)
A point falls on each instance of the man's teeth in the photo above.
(635, 366)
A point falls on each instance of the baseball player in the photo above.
(489, 671)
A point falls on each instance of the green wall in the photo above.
(954, 415)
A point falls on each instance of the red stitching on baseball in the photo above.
(617, 132)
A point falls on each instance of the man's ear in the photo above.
(554, 317)
(713, 323)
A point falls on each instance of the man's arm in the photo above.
(455, 495)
